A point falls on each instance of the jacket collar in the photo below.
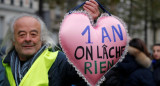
(140, 57)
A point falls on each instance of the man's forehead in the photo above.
(156, 46)
(26, 18)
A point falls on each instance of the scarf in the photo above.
(20, 70)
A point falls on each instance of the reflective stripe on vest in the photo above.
(37, 75)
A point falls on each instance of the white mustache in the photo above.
(28, 44)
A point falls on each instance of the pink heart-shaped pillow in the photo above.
(92, 49)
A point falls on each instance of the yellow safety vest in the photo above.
(37, 75)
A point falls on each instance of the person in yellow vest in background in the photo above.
(30, 59)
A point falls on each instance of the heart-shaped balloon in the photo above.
(92, 49)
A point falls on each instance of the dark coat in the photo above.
(156, 72)
(63, 74)
(132, 71)
(3, 79)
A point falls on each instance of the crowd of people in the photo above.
(29, 59)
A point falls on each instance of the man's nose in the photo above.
(155, 53)
(28, 38)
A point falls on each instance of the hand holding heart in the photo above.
(91, 7)
(92, 50)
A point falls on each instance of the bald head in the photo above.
(27, 21)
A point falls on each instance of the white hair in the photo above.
(9, 37)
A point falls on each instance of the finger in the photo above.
(91, 3)
(90, 8)
(94, 2)
(93, 15)
(86, 9)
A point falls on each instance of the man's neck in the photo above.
(24, 58)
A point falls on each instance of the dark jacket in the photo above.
(156, 72)
(3, 79)
(63, 74)
(132, 71)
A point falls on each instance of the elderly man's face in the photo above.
(27, 35)
(156, 52)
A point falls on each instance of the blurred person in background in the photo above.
(156, 63)
(135, 68)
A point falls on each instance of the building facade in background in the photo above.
(10, 8)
